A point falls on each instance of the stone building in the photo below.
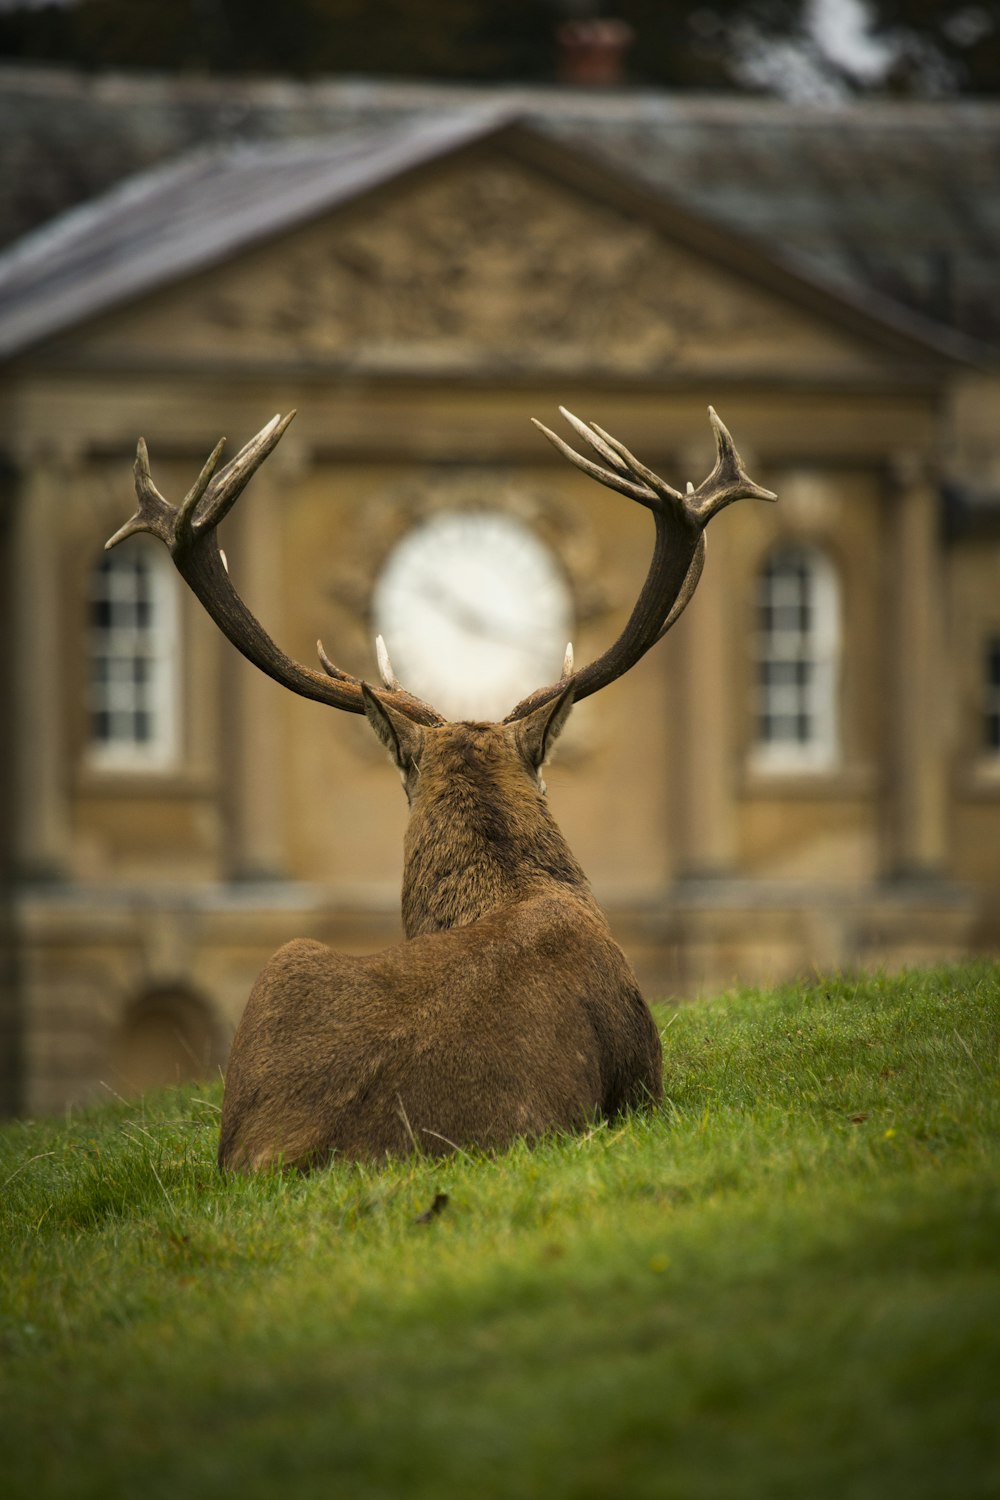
(804, 776)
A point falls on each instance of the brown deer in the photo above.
(509, 1010)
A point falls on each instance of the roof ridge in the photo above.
(112, 84)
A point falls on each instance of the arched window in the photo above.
(132, 640)
(164, 1038)
(797, 661)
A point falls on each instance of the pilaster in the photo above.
(706, 811)
(253, 747)
(917, 784)
(41, 812)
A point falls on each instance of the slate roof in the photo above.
(206, 205)
(896, 199)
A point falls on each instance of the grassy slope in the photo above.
(786, 1284)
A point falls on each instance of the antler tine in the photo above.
(228, 485)
(630, 462)
(595, 438)
(186, 509)
(386, 673)
(154, 514)
(728, 480)
(613, 481)
(332, 670)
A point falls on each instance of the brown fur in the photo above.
(508, 1011)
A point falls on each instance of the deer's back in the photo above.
(525, 1021)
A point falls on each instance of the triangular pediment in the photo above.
(501, 257)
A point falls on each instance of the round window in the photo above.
(475, 611)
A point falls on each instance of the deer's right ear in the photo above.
(536, 732)
(401, 736)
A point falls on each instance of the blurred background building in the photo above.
(804, 776)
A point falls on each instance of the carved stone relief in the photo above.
(489, 266)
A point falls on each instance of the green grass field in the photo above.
(784, 1284)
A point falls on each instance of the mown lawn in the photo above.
(785, 1284)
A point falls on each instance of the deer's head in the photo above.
(480, 832)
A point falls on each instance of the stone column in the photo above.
(41, 813)
(705, 742)
(254, 764)
(917, 698)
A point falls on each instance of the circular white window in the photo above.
(475, 611)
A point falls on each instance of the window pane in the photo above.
(132, 648)
(797, 635)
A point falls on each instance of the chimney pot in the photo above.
(592, 52)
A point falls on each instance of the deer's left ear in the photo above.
(401, 736)
(537, 732)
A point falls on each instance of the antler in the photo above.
(189, 531)
(678, 547)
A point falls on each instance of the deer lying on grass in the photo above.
(509, 1010)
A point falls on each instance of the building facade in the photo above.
(804, 776)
